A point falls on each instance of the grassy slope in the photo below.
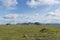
(33, 32)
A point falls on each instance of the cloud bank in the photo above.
(10, 16)
(9, 4)
(49, 17)
(35, 3)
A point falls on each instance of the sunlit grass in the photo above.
(17, 32)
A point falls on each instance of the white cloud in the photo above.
(11, 16)
(50, 17)
(10, 4)
(49, 2)
(56, 13)
(34, 17)
(53, 17)
(34, 3)
(19, 18)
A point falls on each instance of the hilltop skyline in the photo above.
(43, 11)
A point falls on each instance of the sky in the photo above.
(20, 11)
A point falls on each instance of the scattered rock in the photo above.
(44, 30)
(25, 36)
(38, 39)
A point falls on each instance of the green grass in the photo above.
(18, 32)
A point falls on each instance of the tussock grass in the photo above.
(29, 32)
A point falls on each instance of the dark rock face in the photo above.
(8, 24)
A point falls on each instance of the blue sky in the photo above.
(19, 11)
